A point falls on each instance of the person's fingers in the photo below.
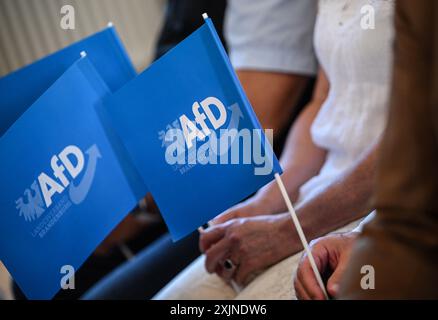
(335, 278)
(216, 253)
(221, 271)
(306, 276)
(300, 292)
(210, 236)
(225, 216)
(244, 273)
(241, 210)
(224, 273)
(227, 273)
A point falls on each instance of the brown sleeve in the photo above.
(401, 243)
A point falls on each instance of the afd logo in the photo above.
(189, 128)
(182, 137)
(66, 166)
(215, 134)
(185, 132)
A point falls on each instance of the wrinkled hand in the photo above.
(252, 244)
(331, 255)
(247, 209)
(266, 201)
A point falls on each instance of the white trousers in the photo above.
(194, 283)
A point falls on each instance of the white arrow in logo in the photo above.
(79, 192)
(236, 114)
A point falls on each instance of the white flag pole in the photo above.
(296, 223)
(300, 233)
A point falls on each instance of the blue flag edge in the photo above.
(177, 235)
(255, 121)
(109, 31)
(99, 85)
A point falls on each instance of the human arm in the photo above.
(301, 160)
(275, 63)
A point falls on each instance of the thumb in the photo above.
(238, 211)
(224, 217)
(335, 279)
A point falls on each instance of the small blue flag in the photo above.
(192, 134)
(62, 186)
(20, 89)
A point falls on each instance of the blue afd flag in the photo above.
(62, 186)
(21, 88)
(192, 133)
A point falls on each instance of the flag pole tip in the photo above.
(110, 24)
(83, 54)
(205, 16)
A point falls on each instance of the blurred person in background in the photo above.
(329, 158)
(401, 242)
(276, 66)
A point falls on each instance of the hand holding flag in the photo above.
(183, 98)
(184, 127)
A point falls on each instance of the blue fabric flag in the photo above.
(172, 119)
(62, 187)
(20, 89)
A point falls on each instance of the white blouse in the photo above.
(358, 64)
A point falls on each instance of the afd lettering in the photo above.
(60, 163)
(65, 167)
(223, 141)
(189, 128)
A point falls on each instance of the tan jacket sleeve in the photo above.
(401, 243)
